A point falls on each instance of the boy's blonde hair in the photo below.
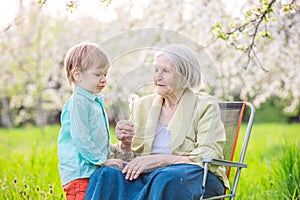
(82, 56)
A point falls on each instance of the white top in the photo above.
(162, 143)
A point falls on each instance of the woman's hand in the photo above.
(144, 163)
(124, 133)
(118, 162)
(138, 165)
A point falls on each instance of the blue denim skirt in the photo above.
(178, 181)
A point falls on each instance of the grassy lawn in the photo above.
(271, 163)
(28, 162)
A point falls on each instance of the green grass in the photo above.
(28, 163)
(268, 143)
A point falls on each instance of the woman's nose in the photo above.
(158, 75)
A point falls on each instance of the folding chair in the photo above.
(232, 114)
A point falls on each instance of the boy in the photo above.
(83, 143)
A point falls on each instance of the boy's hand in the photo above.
(118, 162)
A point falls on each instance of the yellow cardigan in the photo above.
(196, 128)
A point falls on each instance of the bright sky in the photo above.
(7, 12)
(8, 8)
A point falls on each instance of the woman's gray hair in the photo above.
(185, 62)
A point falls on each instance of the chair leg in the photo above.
(205, 167)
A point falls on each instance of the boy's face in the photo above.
(93, 79)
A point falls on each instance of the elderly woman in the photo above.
(174, 130)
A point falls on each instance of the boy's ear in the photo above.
(76, 75)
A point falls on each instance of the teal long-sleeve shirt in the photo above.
(83, 142)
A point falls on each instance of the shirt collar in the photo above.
(87, 94)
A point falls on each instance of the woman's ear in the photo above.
(76, 75)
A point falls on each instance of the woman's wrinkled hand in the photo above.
(140, 164)
(125, 132)
(148, 163)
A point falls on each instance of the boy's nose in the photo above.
(103, 79)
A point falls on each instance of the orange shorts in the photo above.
(75, 190)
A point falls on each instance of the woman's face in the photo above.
(165, 77)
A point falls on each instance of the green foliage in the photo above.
(266, 34)
(251, 32)
(217, 30)
(271, 111)
(71, 5)
(290, 8)
(106, 1)
(33, 83)
(42, 1)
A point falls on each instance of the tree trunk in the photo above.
(5, 117)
